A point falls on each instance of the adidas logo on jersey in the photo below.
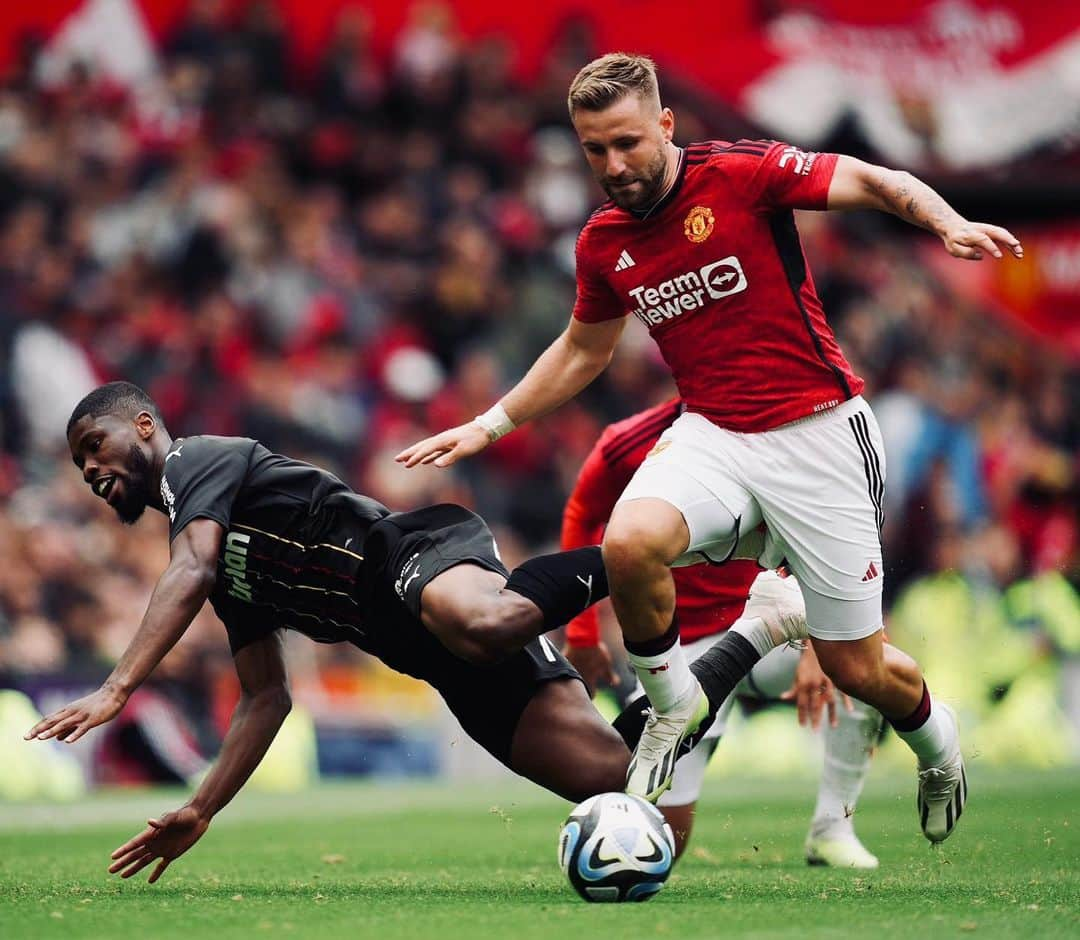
(625, 261)
(871, 572)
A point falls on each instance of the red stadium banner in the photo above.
(954, 83)
(1042, 295)
(932, 83)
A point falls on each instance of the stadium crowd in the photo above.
(339, 263)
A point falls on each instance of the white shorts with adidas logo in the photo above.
(817, 483)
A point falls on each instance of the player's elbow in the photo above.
(195, 576)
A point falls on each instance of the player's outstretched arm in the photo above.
(179, 594)
(264, 703)
(570, 363)
(859, 185)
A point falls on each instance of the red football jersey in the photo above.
(708, 597)
(716, 271)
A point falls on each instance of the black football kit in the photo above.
(303, 552)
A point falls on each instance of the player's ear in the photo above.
(145, 425)
(667, 123)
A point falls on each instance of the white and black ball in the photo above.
(616, 847)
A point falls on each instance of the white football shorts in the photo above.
(818, 484)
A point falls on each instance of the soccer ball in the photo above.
(616, 847)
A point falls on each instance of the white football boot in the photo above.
(779, 603)
(943, 790)
(665, 739)
(838, 850)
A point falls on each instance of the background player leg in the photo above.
(562, 743)
(849, 748)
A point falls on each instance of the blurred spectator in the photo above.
(338, 263)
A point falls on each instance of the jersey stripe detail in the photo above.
(262, 576)
(786, 239)
(296, 569)
(300, 545)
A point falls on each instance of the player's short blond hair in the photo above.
(610, 78)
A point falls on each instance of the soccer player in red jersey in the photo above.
(699, 244)
(710, 598)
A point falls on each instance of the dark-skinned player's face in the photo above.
(113, 455)
(626, 146)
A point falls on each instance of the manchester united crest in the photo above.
(698, 225)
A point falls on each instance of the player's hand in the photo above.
(971, 240)
(446, 448)
(814, 693)
(594, 664)
(166, 838)
(73, 721)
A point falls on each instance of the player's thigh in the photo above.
(563, 743)
(464, 595)
(693, 469)
(820, 487)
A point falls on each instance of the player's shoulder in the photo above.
(719, 153)
(600, 220)
(623, 437)
(187, 455)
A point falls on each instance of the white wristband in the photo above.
(496, 422)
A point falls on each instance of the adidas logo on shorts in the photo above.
(871, 572)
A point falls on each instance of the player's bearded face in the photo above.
(114, 464)
(637, 188)
(626, 145)
(135, 494)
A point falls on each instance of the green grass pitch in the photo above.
(428, 861)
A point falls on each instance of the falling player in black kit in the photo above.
(277, 544)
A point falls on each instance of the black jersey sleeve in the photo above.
(201, 478)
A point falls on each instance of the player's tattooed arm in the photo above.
(179, 594)
(263, 706)
(859, 185)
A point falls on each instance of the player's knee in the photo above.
(633, 543)
(490, 634)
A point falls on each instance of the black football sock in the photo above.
(561, 585)
(722, 666)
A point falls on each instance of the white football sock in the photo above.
(848, 749)
(665, 677)
(935, 740)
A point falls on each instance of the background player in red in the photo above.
(710, 599)
(700, 244)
